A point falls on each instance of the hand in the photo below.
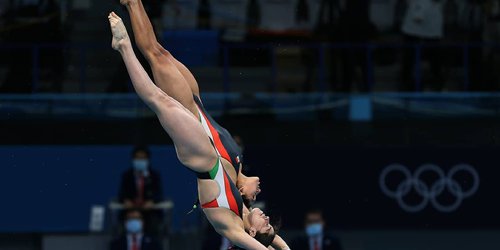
(279, 243)
(148, 205)
(128, 204)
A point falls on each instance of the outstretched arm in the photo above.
(279, 243)
(227, 224)
(244, 240)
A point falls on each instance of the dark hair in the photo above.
(265, 239)
(315, 211)
(247, 202)
(125, 213)
(141, 148)
(132, 210)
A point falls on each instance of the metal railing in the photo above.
(35, 48)
(299, 106)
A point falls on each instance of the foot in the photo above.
(120, 36)
(127, 2)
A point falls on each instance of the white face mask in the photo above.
(140, 165)
(314, 229)
(134, 226)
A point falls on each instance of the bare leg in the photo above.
(162, 63)
(143, 29)
(193, 84)
(193, 147)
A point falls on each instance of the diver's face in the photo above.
(251, 189)
(259, 222)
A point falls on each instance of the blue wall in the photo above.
(52, 188)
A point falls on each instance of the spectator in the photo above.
(134, 237)
(4, 5)
(315, 237)
(141, 187)
(492, 35)
(31, 21)
(475, 17)
(327, 30)
(355, 28)
(253, 14)
(423, 23)
(204, 15)
(52, 60)
(302, 14)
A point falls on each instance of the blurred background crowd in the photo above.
(317, 45)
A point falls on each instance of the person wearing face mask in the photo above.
(134, 237)
(141, 187)
(423, 23)
(315, 237)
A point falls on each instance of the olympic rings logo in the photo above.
(429, 192)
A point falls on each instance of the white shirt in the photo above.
(312, 240)
(138, 175)
(424, 18)
(130, 241)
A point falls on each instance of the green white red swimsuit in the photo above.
(224, 142)
(229, 196)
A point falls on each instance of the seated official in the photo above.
(315, 237)
(134, 237)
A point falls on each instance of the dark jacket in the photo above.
(330, 242)
(152, 186)
(147, 243)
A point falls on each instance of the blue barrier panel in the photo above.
(429, 188)
(52, 188)
(360, 108)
